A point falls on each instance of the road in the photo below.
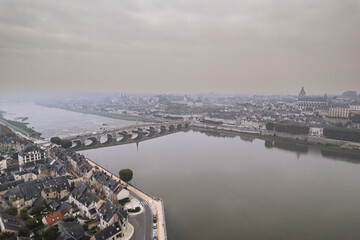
(142, 223)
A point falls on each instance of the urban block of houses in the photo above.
(112, 189)
(25, 194)
(87, 201)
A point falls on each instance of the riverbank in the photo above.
(109, 115)
(156, 203)
(331, 145)
(20, 127)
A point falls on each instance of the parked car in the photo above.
(155, 225)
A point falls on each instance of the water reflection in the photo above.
(221, 188)
(341, 155)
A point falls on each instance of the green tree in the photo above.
(342, 134)
(65, 143)
(126, 174)
(7, 236)
(24, 214)
(24, 232)
(51, 233)
(270, 126)
(37, 210)
(31, 223)
(55, 140)
(11, 211)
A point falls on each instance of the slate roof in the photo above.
(70, 230)
(65, 207)
(105, 180)
(87, 198)
(313, 99)
(79, 189)
(108, 232)
(39, 201)
(10, 185)
(107, 211)
(11, 222)
(31, 189)
(58, 184)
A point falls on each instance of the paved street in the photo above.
(143, 222)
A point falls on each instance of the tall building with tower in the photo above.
(302, 92)
(311, 102)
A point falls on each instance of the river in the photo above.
(58, 122)
(236, 187)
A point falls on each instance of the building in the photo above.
(55, 188)
(349, 94)
(3, 164)
(108, 215)
(112, 232)
(316, 131)
(9, 224)
(24, 194)
(355, 106)
(53, 218)
(87, 202)
(110, 187)
(70, 231)
(313, 102)
(339, 111)
(302, 92)
(31, 153)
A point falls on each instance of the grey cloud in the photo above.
(243, 46)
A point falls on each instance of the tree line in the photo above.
(288, 128)
(63, 142)
(345, 134)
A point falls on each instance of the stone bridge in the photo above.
(125, 135)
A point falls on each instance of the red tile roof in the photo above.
(54, 217)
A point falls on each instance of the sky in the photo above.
(173, 46)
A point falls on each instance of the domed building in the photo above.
(302, 92)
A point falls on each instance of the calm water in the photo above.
(231, 188)
(58, 122)
(226, 188)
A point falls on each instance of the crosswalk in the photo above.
(144, 203)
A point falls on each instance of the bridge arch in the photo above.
(109, 138)
(162, 130)
(76, 143)
(171, 128)
(93, 142)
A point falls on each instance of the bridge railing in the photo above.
(122, 129)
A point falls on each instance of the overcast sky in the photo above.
(227, 46)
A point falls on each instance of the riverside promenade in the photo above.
(156, 203)
(298, 137)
